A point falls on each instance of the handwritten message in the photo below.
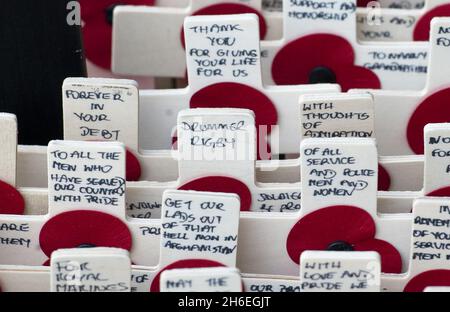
(278, 201)
(88, 175)
(15, 235)
(201, 280)
(320, 10)
(335, 171)
(271, 285)
(437, 157)
(431, 234)
(199, 225)
(101, 110)
(90, 270)
(339, 116)
(272, 5)
(219, 134)
(339, 271)
(222, 48)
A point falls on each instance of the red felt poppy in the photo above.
(341, 228)
(434, 109)
(363, 3)
(422, 29)
(321, 58)
(83, 227)
(222, 185)
(11, 201)
(97, 28)
(426, 279)
(236, 95)
(183, 264)
(442, 192)
(133, 167)
(227, 9)
(384, 179)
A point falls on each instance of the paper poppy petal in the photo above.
(183, 264)
(442, 192)
(384, 179)
(97, 41)
(426, 279)
(297, 59)
(317, 230)
(227, 9)
(391, 260)
(434, 109)
(74, 228)
(133, 167)
(11, 201)
(236, 95)
(222, 185)
(363, 3)
(357, 77)
(97, 31)
(422, 29)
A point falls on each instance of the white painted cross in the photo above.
(402, 115)
(146, 37)
(11, 201)
(339, 202)
(320, 44)
(86, 207)
(429, 256)
(8, 148)
(223, 58)
(146, 48)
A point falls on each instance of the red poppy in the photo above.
(321, 58)
(133, 167)
(227, 9)
(442, 192)
(236, 95)
(384, 179)
(426, 279)
(11, 201)
(97, 28)
(422, 29)
(183, 264)
(222, 185)
(341, 228)
(434, 109)
(77, 228)
(363, 3)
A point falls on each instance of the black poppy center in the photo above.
(340, 246)
(322, 74)
(86, 245)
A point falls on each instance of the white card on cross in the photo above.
(201, 280)
(340, 271)
(90, 270)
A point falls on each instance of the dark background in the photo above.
(38, 50)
